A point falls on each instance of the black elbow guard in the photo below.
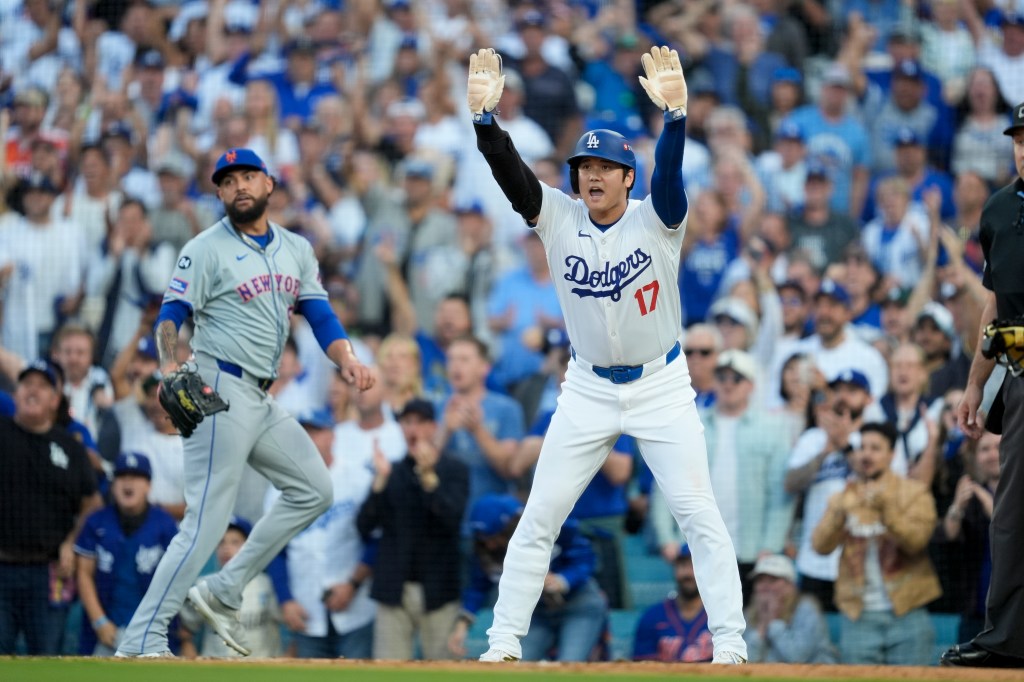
(527, 204)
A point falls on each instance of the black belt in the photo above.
(236, 371)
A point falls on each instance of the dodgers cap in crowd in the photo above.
(237, 158)
(53, 373)
(133, 463)
(851, 377)
(492, 512)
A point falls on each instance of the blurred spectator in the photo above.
(550, 96)
(905, 108)
(36, 44)
(861, 279)
(979, 145)
(883, 523)
(787, 95)
(401, 371)
(87, 386)
(568, 621)
(537, 394)
(267, 136)
(785, 35)
(292, 389)
(331, 614)
(735, 321)
(783, 625)
(479, 428)
(837, 139)
(815, 228)
(782, 170)
(403, 227)
(795, 387)
(177, 219)
(966, 524)
(47, 488)
(140, 424)
(895, 240)
(296, 87)
(1005, 58)
(136, 361)
(747, 450)
(259, 613)
(677, 628)
(118, 550)
(904, 408)
(42, 268)
(30, 105)
(148, 85)
(818, 468)
(833, 348)
(93, 200)
(703, 344)
(129, 272)
(521, 305)
(611, 68)
(947, 49)
(711, 242)
(417, 506)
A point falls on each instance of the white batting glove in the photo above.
(665, 84)
(485, 82)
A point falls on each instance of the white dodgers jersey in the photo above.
(618, 289)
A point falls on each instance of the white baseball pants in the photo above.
(658, 410)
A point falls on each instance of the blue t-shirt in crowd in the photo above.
(702, 271)
(841, 146)
(530, 300)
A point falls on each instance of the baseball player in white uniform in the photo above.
(240, 279)
(615, 263)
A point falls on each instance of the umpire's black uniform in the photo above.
(1001, 643)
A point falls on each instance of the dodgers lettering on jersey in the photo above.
(242, 297)
(618, 289)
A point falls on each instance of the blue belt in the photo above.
(234, 370)
(624, 374)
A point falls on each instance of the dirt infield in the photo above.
(754, 671)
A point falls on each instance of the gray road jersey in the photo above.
(242, 296)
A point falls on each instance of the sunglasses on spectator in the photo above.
(729, 377)
(792, 301)
(703, 352)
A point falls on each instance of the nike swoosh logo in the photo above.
(581, 233)
(242, 257)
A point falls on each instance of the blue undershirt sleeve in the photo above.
(326, 327)
(176, 311)
(667, 192)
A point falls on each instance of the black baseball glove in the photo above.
(1004, 341)
(188, 399)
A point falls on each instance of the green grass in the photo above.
(98, 670)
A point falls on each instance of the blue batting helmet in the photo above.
(600, 144)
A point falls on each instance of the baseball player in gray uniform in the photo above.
(240, 280)
(615, 264)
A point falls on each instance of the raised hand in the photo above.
(665, 83)
(485, 81)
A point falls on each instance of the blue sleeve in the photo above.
(476, 590)
(277, 571)
(6, 404)
(626, 445)
(176, 311)
(577, 561)
(239, 70)
(541, 424)
(511, 423)
(326, 327)
(370, 547)
(645, 641)
(667, 192)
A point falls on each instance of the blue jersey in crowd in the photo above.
(702, 271)
(662, 634)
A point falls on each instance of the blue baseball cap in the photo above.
(243, 526)
(317, 419)
(133, 464)
(556, 337)
(474, 206)
(851, 377)
(237, 158)
(424, 409)
(492, 512)
(907, 136)
(789, 130)
(684, 552)
(147, 347)
(787, 74)
(51, 371)
(1012, 19)
(817, 169)
(908, 68)
(833, 290)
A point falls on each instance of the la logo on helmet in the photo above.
(593, 141)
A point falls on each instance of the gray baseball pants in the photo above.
(254, 430)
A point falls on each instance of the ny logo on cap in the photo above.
(593, 141)
(231, 156)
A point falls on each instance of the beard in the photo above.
(247, 215)
(688, 590)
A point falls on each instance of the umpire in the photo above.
(1001, 643)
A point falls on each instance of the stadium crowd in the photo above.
(838, 156)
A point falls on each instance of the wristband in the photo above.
(100, 622)
(484, 118)
(675, 114)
